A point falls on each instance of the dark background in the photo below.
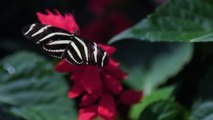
(17, 13)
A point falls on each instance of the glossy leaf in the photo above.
(202, 110)
(32, 89)
(159, 94)
(177, 20)
(151, 64)
(164, 110)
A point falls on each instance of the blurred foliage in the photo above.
(31, 90)
(164, 110)
(151, 64)
(202, 110)
(177, 20)
(154, 66)
(165, 93)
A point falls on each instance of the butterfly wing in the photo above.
(61, 44)
(91, 53)
(51, 39)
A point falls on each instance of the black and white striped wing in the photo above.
(46, 34)
(91, 53)
(61, 44)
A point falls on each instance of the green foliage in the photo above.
(160, 94)
(164, 110)
(151, 64)
(177, 20)
(31, 90)
(202, 110)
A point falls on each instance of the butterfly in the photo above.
(61, 44)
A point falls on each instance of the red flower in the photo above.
(130, 97)
(97, 87)
(66, 22)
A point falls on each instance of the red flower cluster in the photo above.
(99, 88)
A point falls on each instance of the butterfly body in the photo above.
(64, 45)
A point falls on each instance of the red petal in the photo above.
(112, 84)
(72, 26)
(91, 80)
(107, 107)
(76, 90)
(64, 66)
(130, 97)
(109, 49)
(76, 76)
(113, 69)
(88, 113)
(66, 22)
(89, 99)
(113, 62)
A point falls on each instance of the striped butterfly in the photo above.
(62, 44)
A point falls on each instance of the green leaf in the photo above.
(202, 110)
(177, 20)
(33, 90)
(164, 110)
(5, 113)
(159, 94)
(151, 64)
